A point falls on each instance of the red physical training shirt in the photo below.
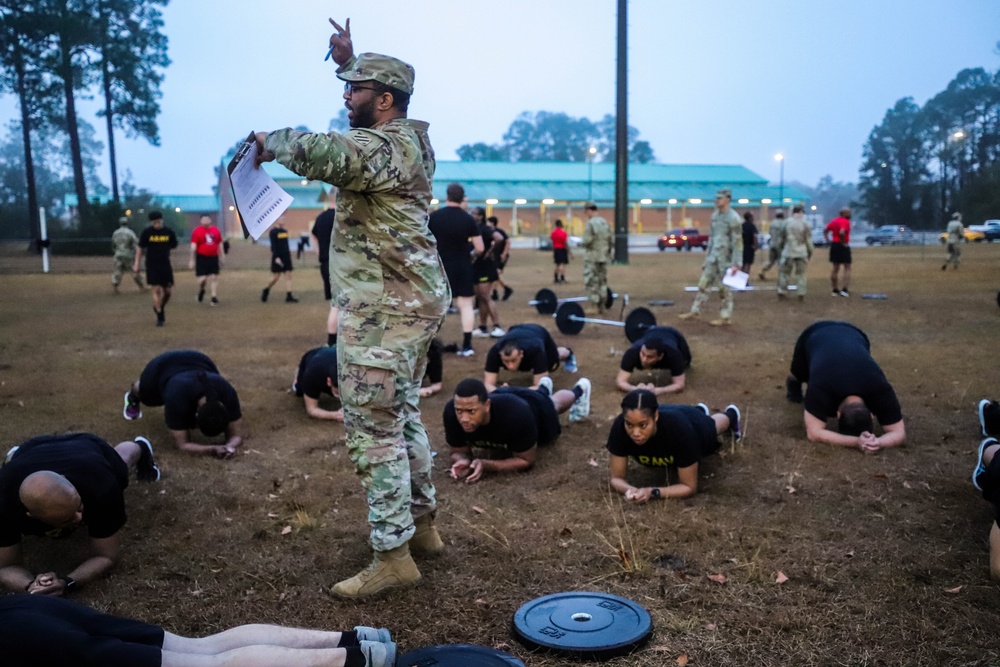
(558, 238)
(206, 240)
(840, 229)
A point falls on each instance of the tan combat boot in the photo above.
(721, 322)
(690, 315)
(426, 541)
(387, 570)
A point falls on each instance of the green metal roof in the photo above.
(580, 172)
(199, 203)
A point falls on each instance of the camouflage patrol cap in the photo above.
(724, 192)
(384, 69)
(123, 220)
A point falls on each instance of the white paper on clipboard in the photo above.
(736, 280)
(259, 199)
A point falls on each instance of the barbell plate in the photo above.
(638, 322)
(609, 299)
(546, 301)
(569, 318)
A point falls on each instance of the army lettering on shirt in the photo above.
(157, 244)
(684, 435)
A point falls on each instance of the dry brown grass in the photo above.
(871, 544)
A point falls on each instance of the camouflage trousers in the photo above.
(124, 265)
(954, 254)
(595, 281)
(773, 257)
(711, 276)
(793, 268)
(381, 359)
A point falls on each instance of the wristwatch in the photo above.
(656, 492)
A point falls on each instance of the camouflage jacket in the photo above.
(777, 242)
(124, 241)
(798, 239)
(955, 232)
(383, 257)
(725, 241)
(598, 241)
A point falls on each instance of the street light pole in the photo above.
(781, 182)
(591, 152)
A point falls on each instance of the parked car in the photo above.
(685, 239)
(819, 239)
(890, 235)
(969, 235)
(990, 230)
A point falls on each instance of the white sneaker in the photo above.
(581, 406)
(498, 332)
(547, 383)
(467, 352)
(479, 333)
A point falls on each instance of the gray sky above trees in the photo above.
(715, 81)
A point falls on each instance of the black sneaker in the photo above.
(290, 299)
(733, 413)
(201, 295)
(793, 390)
(161, 317)
(980, 466)
(507, 291)
(146, 469)
(989, 417)
(264, 294)
(215, 301)
(495, 296)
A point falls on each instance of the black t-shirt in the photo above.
(279, 244)
(536, 343)
(452, 227)
(315, 368)
(672, 357)
(499, 247)
(840, 365)
(749, 234)
(173, 380)
(157, 244)
(90, 464)
(684, 435)
(323, 231)
(513, 425)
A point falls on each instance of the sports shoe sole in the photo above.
(581, 406)
(125, 408)
(980, 466)
(153, 472)
(735, 429)
(570, 364)
(547, 383)
(982, 414)
(369, 634)
(708, 413)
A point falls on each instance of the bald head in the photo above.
(50, 498)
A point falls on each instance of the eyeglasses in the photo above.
(351, 88)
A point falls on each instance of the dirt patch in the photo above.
(885, 555)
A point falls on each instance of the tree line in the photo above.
(53, 53)
(923, 162)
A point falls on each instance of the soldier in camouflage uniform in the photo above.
(724, 254)
(392, 294)
(798, 250)
(598, 248)
(124, 242)
(776, 244)
(956, 233)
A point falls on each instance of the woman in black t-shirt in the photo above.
(665, 436)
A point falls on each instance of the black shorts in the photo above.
(206, 266)
(748, 255)
(161, 275)
(990, 481)
(840, 253)
(560, 256)
(460, 276)
(43, 630)
(286, 264)
(485, 271)
(547, 419)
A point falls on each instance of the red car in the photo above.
(685, 239)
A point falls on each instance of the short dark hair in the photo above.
(590, 206)
(855, 419)
(798, 208)
(155, 215)
(455, 193)
(559, 223)
(748, 216)
(400, 100)
(642, 400)
(212, 418)
(479, 212)
(470, 387)
(779, 214)
(845, 213)
(493, 221)
(655, 344)
(508, 347)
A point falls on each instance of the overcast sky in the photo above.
(710, 81)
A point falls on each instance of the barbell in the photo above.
(570, 320)
(546, 302)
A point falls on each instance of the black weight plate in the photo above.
(609, 299)
(568, 318)
(457, 655)
(589, 625)
(546, 301)
(638, 323)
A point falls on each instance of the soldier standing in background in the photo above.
(598, 250)
(323, 230)
(124, 242)
(776, 244)
(798, 250)
(838, 233)
(392, 294)
(956, 232)
(723, 255)
(157, 240)
(749, 241)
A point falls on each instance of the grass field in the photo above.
(886, 555)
